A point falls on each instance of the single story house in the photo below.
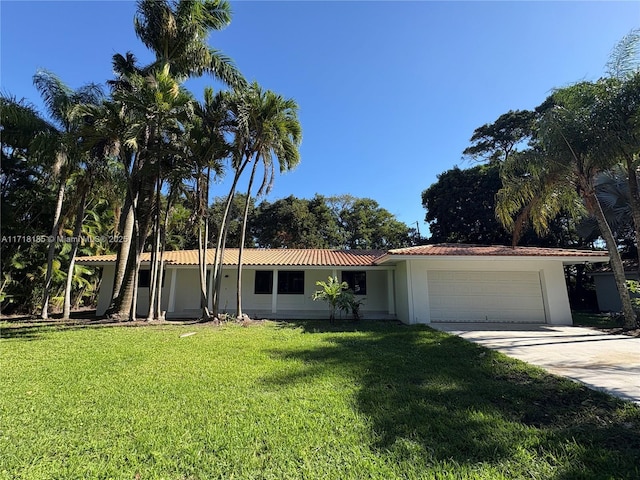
(424, 284)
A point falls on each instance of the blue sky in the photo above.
(389, 92)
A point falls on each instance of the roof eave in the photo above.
(566, 259)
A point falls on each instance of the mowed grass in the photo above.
(299, 400)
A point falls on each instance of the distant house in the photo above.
(606, 289)
(425, 284)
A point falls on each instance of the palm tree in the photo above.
(268, 127)
(331, 292)
(60, 102)
(177, 33)
(27, 141)
(572, 152)
(207, 148)
(612, 188)
(107, 130)
(157, 108)
(619, 112)
(533, 194)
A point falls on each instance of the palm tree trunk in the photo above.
(222, 236)
(133, 308)
(153, 280)
(217, 281)
(202, 266)
(205, 298)
(519, 224)
(77, 230)
(203, 231)
(123, 303)
(163, 243)
(242, 237)
(153, 272)
(123, 251)
(125, 307)
(119, 307)
(595, 209)
(55, 230)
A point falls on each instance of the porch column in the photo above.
(210, 290)
(334, 274)
(172, 291)
(391, 288)
(274, 293)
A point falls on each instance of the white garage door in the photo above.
(485, 297)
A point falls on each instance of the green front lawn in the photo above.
(296, 400)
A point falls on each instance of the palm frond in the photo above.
(56, 95)
(624, 59)
(21, 122)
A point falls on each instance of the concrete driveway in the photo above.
(601, 361)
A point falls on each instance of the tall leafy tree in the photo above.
(342, 222)
(28, 150)
(293, 222)
(496, 141)
(461, 206)
(368, 226)
(617, 111)
(159, 108)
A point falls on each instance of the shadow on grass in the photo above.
(32, 328)
(458, 401)
(340, 326)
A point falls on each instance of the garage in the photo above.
(447, 283)
(485, 297)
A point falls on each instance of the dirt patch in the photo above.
(249, 322)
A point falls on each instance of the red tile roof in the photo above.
(317, 257)
(263, 257)
(457, 249)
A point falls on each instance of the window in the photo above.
(144, 279)
(264, 282)
(291, 282)
(357, 281)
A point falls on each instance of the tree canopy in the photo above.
(343, 222)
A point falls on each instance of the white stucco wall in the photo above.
(413, 295)
(187, 294)
(106, 289)
(376, 298)
(556, 297)
(403, 293)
